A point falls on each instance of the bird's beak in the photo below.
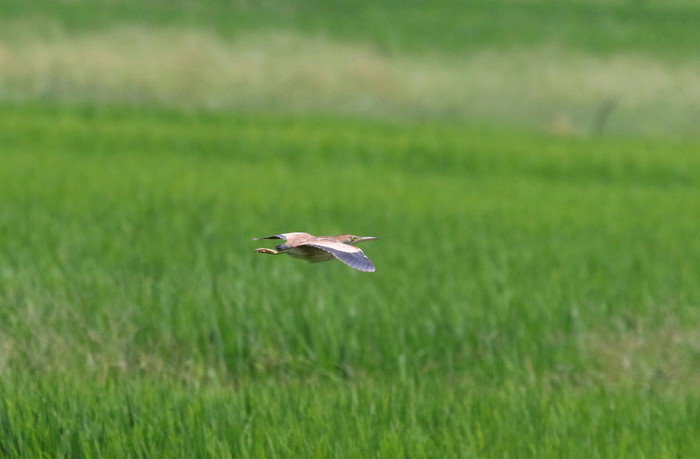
(365, 238)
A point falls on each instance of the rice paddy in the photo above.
(536, 289)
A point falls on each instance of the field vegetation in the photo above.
(536, 292)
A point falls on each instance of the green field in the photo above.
(536, 292)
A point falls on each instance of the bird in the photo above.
(322, 248)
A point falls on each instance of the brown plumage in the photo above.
(322, 248)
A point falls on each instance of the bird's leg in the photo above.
(268, 251)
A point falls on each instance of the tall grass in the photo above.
(535, 295)
(139, 418)
(138, 228)
(532, 294)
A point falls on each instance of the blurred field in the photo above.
(541, 65)
(536, 290)
(664, 29)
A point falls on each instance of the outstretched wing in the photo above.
(348, 254)
(283, 236)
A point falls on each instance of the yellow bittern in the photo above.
(322, 248)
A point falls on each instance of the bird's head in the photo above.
(352, 239)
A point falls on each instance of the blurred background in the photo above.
(567, 67)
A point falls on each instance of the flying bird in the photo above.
(322, 248)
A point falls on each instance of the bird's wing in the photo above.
(283, 236)
(348, 254)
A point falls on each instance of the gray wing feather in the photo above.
(354, 258)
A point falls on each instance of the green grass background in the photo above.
(600, 26)
(536, 295)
